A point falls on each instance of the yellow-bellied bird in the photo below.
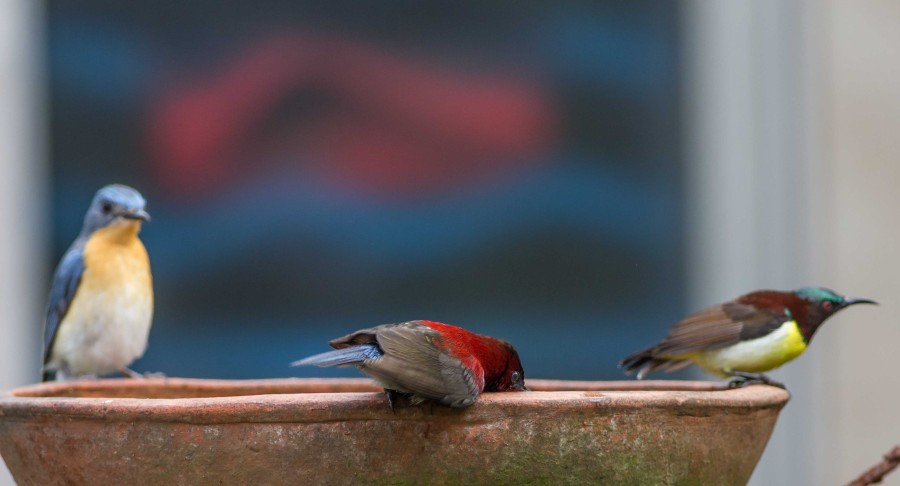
(745, 337)
(101, 300)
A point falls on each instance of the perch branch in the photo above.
(877, 472)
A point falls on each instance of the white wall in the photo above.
(793, 155)
(22, 182)
(862, 143)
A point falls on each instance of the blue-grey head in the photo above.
(115, 203)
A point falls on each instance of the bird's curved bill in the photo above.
(854, 300)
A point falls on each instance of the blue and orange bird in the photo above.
(101, 300)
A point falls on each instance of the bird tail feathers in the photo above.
(647, 361)
(342, 357)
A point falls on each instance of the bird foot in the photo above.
(411, 400)
(130, 373)
(391, 396)
(747, 379)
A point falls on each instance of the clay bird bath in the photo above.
(340, 431)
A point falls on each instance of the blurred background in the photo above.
(573, 177)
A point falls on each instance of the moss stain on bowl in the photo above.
(340, 431)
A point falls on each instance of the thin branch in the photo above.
(877, 472)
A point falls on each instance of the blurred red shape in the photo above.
(384, 124)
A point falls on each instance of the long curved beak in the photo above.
(856, 300)
(135, 214)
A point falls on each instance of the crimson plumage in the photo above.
(428, 360)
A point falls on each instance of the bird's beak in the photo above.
(522, 387)
(854, 300)
(135, 214)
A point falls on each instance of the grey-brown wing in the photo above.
(414, 363)
(65, 283)
(718, 327)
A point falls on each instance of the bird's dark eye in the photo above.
(106, 208)
(515, 376)
(827, 305)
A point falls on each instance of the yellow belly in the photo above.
(108, 321)
(756, 355)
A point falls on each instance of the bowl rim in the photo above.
(692, 398)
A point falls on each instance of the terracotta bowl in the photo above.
(340, 431)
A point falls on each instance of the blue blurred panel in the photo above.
(313, 168)
(95, 61)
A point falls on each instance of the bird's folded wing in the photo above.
(65, 283)
(718, 327)
(363, 336)
(414, 363)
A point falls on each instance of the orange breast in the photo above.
(115, 256)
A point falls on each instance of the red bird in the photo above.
(428, 360)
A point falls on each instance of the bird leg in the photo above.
(391, 395)
(746, 379)
(411, 400)
(63, 374)
(130, 373)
